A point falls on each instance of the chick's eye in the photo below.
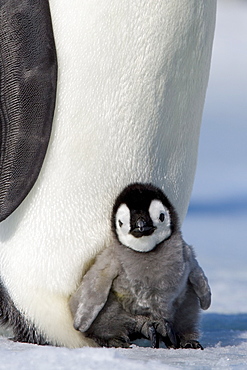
(162, 217)
(120, 223)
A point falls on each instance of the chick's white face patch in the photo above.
(161, 220)
(160, 216)
(122, 222)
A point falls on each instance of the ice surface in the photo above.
(216, 225)
(225, 349)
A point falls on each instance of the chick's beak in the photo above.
(142, 228)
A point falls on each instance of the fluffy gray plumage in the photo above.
(127, 294)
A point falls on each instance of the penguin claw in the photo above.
(169, 337)
(194, 344)
(122, 342)
(118, 343)
(154, 337)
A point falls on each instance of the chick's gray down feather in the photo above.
(123, 284)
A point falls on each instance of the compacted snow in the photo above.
(225, 348)
(216, 225)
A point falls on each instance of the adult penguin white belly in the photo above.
(132, 78)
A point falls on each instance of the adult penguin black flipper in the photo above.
(28, 78)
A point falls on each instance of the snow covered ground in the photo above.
(216, 225)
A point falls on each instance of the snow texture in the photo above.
(215, 225)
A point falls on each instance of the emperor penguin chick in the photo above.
(147, 283)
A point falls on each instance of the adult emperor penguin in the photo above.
(132, 77)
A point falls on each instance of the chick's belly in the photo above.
(134, 300)
(133, 305)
